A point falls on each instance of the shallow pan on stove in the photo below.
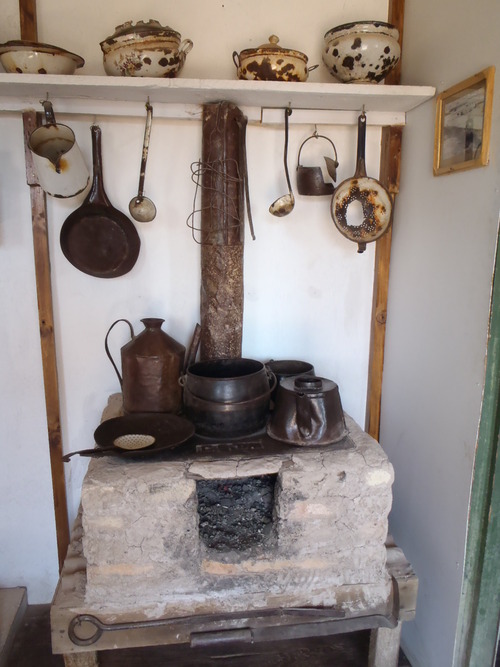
(138, 435)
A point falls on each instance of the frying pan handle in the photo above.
(360, 155)
(97, 194)
(106, 347)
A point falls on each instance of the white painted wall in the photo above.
(307, 291)
(441, 270)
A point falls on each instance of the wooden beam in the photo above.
(390, 162)
(27, 15)
(31, 121)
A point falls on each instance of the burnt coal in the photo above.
(235, 514)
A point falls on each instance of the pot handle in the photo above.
(273, 380)
(185, 46)
(313, 67)
(236, 59)
(106, 347)
(50, 119)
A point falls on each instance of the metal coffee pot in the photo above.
(308, 411)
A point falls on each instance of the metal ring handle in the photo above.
(316, 136)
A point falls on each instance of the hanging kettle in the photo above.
(308, 411)
(152, 363)
(310, 180)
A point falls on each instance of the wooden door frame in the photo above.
(479, 611)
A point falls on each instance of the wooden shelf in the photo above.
(183, 98)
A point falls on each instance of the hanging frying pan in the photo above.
(97, 238)
(376, 203)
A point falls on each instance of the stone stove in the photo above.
(250, 537)
(318, 542)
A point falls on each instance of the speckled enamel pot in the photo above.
(271, 62)
(361, 52)
(23, 57)
(144, 49)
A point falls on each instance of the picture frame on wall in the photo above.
(463, 124)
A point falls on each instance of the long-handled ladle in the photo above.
(141, 208)
(284, 205)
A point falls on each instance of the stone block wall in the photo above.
(326, 546)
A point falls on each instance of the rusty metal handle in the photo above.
(106, 347)
(360, 153)
(316, 136)
(50, 119)
(145, 148)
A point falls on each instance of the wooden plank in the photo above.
(390, 162)
(81, 659)
(84, 94)
(27, 9)
(27, 15)
(47, 342)
(479, 610)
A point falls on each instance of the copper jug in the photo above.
(152, 363)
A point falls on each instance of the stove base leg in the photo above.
(384, 646)
(89, 659)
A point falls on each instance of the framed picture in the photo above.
(463, 124)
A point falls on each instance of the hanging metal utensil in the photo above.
(97, 238)
(375, 201)
(284, 205)
(310, 180)
(141, 208)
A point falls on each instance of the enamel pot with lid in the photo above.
(308, 412)
(272, 62)
(373, 200)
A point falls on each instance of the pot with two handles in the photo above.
(227, 398)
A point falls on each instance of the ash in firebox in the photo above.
(235, 514)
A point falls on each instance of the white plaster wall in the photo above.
(441, 271)
(307, 291)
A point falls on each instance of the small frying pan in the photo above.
(376, 202)
(97, 238)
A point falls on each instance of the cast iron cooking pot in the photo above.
(230, 380)
(227, 420)
(227, 398)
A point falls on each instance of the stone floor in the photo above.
(31, 648)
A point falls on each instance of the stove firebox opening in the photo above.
(235, 514)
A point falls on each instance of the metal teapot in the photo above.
(308, 411)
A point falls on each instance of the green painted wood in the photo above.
(479, 612)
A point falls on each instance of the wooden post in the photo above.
(390, 162)
(222, 231)
(45, 310)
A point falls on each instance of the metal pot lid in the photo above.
(142, 29)
(310, 385)
(272, 48)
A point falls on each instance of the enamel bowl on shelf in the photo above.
(23, 57)
(145, 48)
(361, 52)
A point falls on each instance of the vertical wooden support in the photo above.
(45, 310)
(390, 161)
(27, 15)
(222, 231)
